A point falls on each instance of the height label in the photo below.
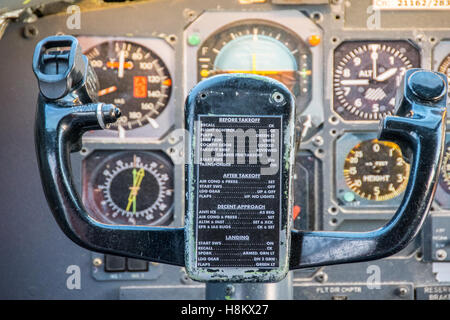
(238, 191)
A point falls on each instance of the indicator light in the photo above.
(194, 40)
(204, 73)
(305, 73)
(349, 196)
(139, 87)
(314, 40)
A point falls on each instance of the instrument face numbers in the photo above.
(445, 171)
(376, 170)
(238, 202)
(367, 75)
(133, 78)
(129, 188)
(444, 67)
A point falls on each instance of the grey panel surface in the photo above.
(163, 292)
(36, 255)
(354, 291)
(10, 5)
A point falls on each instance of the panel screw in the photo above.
(321, 277)
(184, 277)
(30, 31)
(402, 291)
(229, 290)
(441, 254)
(172, 140)
(318, 141)
(277, 97)
(97, 262)
(172, 38)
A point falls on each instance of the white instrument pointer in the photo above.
(386, 75)
(355, 82)
(121, 63)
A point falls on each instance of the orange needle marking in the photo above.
(115, 64)
(107, 90)
(296, 212)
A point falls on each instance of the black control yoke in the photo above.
(67, 107)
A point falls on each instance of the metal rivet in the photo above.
(30, 31)
(318, 141)
(229, 290)
(97, 262)
(402, 291)
(278, 97)
(321, 277)
(441, 254)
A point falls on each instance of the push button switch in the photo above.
(137, 265)
(114, 263)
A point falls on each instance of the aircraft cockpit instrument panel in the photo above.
(342, 62)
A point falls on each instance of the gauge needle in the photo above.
(253, 62)
(133, 192)
(107, 91)
(137, 180)
(355, 82)
(121, 63)
(386, 75)
(374, 57)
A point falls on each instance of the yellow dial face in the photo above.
(446, 169)
(376, 170)
(444, 67)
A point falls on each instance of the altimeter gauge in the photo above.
(376, 170)
(129, 187)
(367, 75)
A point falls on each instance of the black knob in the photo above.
(427, 85)
(59, 65)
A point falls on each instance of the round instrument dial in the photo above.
(258, 47)
(367, 75)
(375, 170)
(129, 188)
(445, 171)
(132, 77)
(444, 67)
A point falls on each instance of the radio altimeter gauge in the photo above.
(132, 77)
(128, 187)
(445, 171)
(367, 75)
(376, 170)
